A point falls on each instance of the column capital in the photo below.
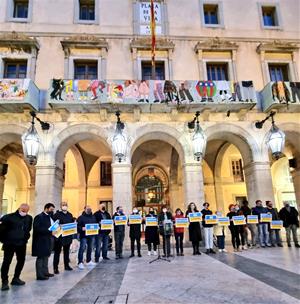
(117, 165)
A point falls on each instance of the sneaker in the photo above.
(154, 252)
(224, 250)
(149, 253)
(5, 286)
(220, 250)
(235, 250)
(56, 271)
(207, 251)
(68, 268)
(17, 282)
(212, 251)
(81, 266)
(139, 255)
(244, 247)
(297, 246)
(106, 258)
(132, 255)
(91, 263)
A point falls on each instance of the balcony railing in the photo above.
(150, 95)
(281, 95)
(17, 95)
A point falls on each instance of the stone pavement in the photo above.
(260, 276)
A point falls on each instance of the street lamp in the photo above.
(119, 142)
(275, 138)
(199, 137)
(31, 140)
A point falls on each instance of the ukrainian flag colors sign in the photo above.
(276, 224)
(223, 221)
(266, 218)
(68, 229)
(91, 229)
(252, 219)
(151, 221)
(107, 224)
(239, 220)
(211, 219)
(195, 217)
(135, 219)
(120, 220)
(182, 222)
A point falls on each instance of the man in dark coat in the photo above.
(14, 234)
(166, 230)
(135, 235)
(119, 233)
(65, 242)
(42, 241)
(275, 237)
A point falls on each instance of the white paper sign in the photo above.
(145, 18)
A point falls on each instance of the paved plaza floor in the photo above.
(258, 276)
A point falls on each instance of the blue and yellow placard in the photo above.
(91, 229)
(239, 220)
(252, 219)
(182, 222)
(266, 218)
(68, 229)
(120, 220)
(211, 219)
(107, 224)
(276, 224)
(195, 217)
(151, 221)
(223, 221)
(55, 229)
(135, 219)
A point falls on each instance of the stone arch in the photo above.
(80, 165)
(10, 133)
(292, 136)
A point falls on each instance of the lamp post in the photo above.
(119, 142)
(199, 137)
(275, 137)
(31, 140)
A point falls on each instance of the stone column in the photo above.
(219, 194)
(122, 186)
(193, 183)
(2, 181)
(259, 182)
(296, 181)
(48, 187)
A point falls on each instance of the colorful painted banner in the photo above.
(151, 221)
(120, 220)
(182, 222)
(266, 218)
(14, 89)
(68, 229)
(135, 219)
(223, 221)
(195, 217)
(252, 219)
(211, 219)
(276, 224)
(91, 229)
(239, 220)
(107, 224)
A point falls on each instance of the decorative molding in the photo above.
(216, 44)
(162, 44)
(277, 46)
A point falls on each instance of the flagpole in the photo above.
(153, 40)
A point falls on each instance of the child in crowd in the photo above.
(219, 232)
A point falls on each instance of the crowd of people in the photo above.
(15, 229)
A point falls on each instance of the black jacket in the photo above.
(206, 212)
(84, 219)
(274, 212)
(15, 229)
(151, 232)
(195, 234)
(99, 215)
(64, 218)
(42, 237)
(245, 211)
(289, 217)
(135, 230)
(118, 228)
(161, 218)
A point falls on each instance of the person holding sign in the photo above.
(42, 241)
(234, 230)
(135, 235)
(119, 232)
(194, 230)
(208, 230)
(219, 232)
(179, 233)
(275, 236)
(166, 229)
(86, 241)
(151, 234)
(64, 217)
(249, 227)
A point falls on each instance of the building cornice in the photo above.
(216, 43)
(162, 44)
(277, 46)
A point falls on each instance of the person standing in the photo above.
(86, 241)
(14, 234)
(275, 236)
(135, 235)
(102, 239)
(241, 228)
(119, 232)
(64, 217)
(208, 230)
(234, 230)
(289, 216)
(42, 241)
(245, 210)
(194, 230)
(179, 233)
(151, 234)
(219, 232)
(165, 228)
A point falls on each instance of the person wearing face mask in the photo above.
(208, 230)
(14, 234)
(64, 217)
(179, 233)
(119, 233)
(165, 226)
(151, 234)
(42, 241)
(86, 241)
(234, 230)
(289, 216)
(241, 228)
(135, 235)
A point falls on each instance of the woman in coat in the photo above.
(179, 232)
(151, 234)
(135, 235)
(194, 230)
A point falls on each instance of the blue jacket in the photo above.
(258, 211)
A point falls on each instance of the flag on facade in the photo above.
(153, 35)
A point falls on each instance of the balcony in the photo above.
(282, 96)
(17, 95)
(151, 96)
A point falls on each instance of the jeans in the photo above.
(138, 244)
(221, 241)
(57, 250)
(264, 237)
(293, 229)
(9, 251)
(253, 231)
(101, 244)
(275, 237)
(41, 267)
(209, 235)
(86, 242)
(119, 239)
(179, 242)
(167, 245)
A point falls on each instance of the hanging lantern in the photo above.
(119, 142)
(31, 144)
(199, 142)
(276, 141)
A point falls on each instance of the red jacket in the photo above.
(178, 230)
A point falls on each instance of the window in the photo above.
(210, 14)
(87, 10)
(20, 9)
(105, 174)
(217, 71)
(237, 170)
(147, 70)
(269, 16)
(278, 72)
(15, 69)
(86, 70)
